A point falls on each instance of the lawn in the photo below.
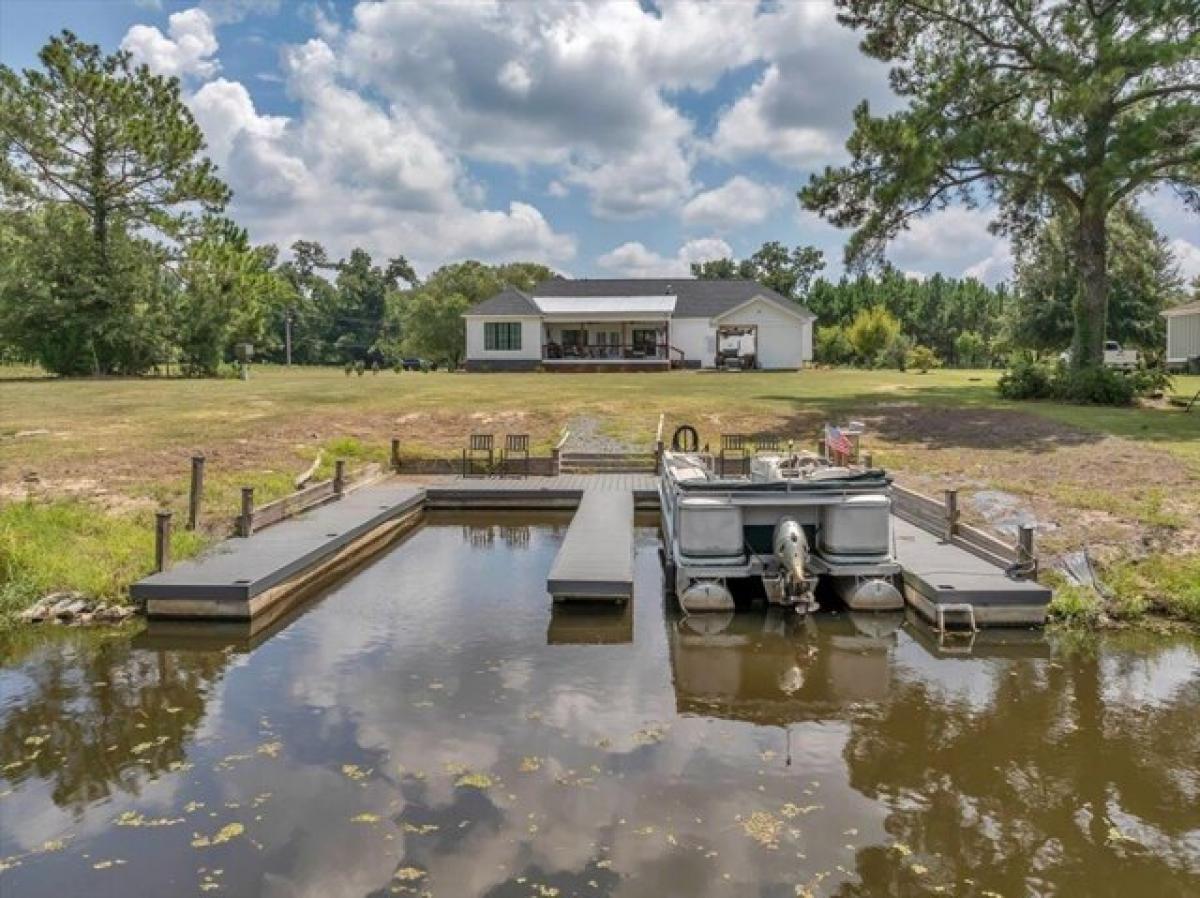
(1123, 482)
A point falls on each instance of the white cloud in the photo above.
(185, 50)
(956, 242)
(736, 203)
(349, 172)
(633, 259)
(1187, 254)
(228, 11)
(798, 112)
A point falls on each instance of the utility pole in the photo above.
(287, 336)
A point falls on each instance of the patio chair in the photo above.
(480, 448)
(734, 446)
(515, 444)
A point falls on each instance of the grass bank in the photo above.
(1125, 483)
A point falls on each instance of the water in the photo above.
(432, 726)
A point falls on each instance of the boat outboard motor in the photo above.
(685, 439)
(795, 586)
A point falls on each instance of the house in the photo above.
(1183, 334)
(642, 324)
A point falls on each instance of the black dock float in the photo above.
(243, 577)
(940, 579)
(595, 560)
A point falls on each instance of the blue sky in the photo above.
(603, 138)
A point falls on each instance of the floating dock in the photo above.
(262, 576)
(941, 579)
(595, 560)
(244, 577)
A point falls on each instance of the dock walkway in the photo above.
(595, 560)
(938, 574)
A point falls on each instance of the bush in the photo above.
(1027, 379)
(895, 354)
(922, 358)
(872, 332)
(1094, 386)
(832, 346)
(1151, 381)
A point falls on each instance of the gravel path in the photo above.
(586, 437)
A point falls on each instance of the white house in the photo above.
(643, 324)
(1183, 334)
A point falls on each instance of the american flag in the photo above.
(836, 441)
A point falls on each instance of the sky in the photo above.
(603, 139)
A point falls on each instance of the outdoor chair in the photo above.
(734, 446)
(515, 444)
(480, 449)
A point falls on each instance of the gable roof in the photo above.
(509, 301)
(694, 298)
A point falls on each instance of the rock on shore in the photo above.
(75, 608)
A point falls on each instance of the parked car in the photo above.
(1114, 357)
(413, 364)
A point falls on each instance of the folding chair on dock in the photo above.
(515, 444)
(480, 448)
(735, 446)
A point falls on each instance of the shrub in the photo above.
(871, 332)
(832, 346)
(1152, 380)
(1094, 386)
(895, 354)
(1027, 379)
(922, 358)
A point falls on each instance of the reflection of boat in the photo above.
(590, 623)
(778, 668)
(795, 520)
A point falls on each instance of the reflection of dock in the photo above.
(777, 668)
(588, 623)
(1007, 642)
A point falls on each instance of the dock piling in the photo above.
(1025, 556)
(196, 493)
(245, 522)
(395, 454)
(162, 541)
(339, 478)
(951, 514)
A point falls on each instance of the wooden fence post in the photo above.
(868, 460)
(339, 478)
(1025, 556)
(395, 453)
(951, 514)
(246, 518)
(162, 541)
(196, 493)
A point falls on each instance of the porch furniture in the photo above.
(735, 447)
(767, 442)
(480, 450)
(516, 446)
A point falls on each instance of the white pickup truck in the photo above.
(1114, 357)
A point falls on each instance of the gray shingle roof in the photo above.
(696, 298)
(509, 301)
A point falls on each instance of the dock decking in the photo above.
(938, 574)
(595, 560)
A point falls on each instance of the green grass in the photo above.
(73, 545)
(1168, 583)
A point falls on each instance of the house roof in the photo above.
(509, 301)
(1188, 308)
(661, 304)
(694, 298)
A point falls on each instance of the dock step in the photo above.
(595, 560)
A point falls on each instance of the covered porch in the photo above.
(635, 342)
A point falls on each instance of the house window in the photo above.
(501, 335)
(645, 340)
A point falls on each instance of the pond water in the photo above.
(433, 726)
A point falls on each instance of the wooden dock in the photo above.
(595, 560)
